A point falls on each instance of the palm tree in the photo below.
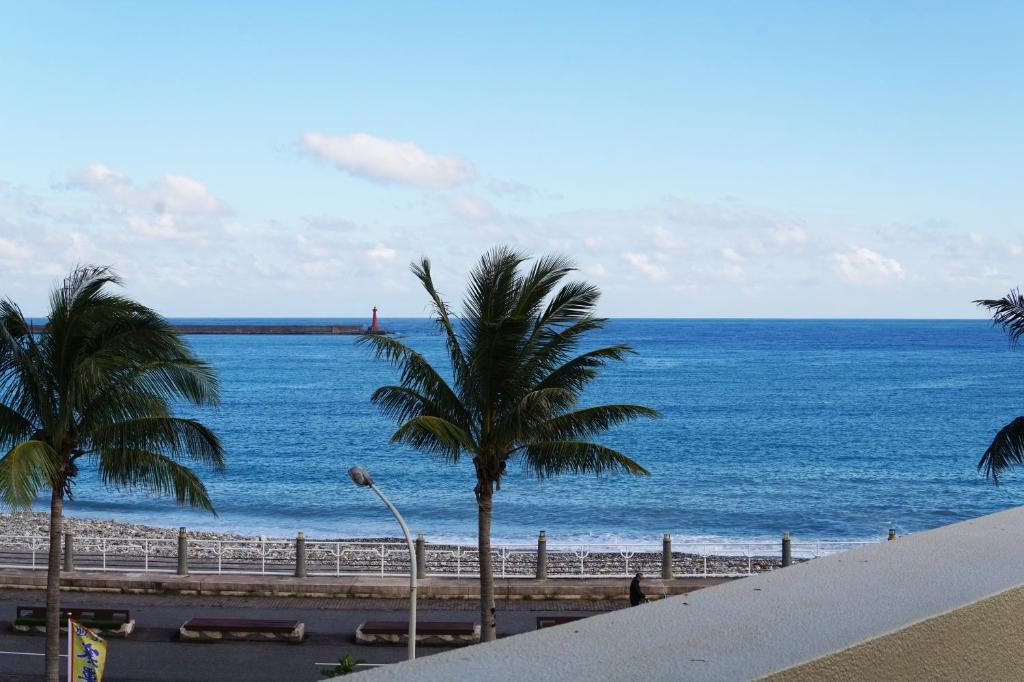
(97, 385)
(517, 378)
(1007, 448)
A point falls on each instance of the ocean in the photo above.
(828, 429)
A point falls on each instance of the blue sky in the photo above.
(747, 159)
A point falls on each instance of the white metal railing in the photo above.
(24, 551)
(346, 558)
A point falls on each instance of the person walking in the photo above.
(636, 595)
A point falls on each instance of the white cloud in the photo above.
(720, 272)
(731, 272)
(12, 250)
(381, 253)
(960, 273)
(330, 223)
(180, 194)
(100, 178)
(785, 235)
(504, 188)
(730, 254)
(1016, 250)
(296, 263)
(389, 161)
(642, 262)
(665, 239)
(314, 250)
(160, 226)
(864, 266)
(174, 194)
(471, 208)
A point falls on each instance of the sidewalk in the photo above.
(348, 586)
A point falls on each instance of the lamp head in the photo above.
(360, 476)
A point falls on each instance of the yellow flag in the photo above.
(87, 654)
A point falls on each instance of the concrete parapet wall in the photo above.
(981, 641)
(942, 604)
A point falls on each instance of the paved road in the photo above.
(153, 652)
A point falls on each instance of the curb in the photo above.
(357, 587)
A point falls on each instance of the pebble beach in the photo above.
(386, 554)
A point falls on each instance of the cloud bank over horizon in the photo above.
(186, 250)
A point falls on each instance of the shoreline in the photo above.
(20, 522)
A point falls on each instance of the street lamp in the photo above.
(362, 478)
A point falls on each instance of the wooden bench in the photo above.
(241, 629)
(428, 633)
(549, 621)
(106, 622)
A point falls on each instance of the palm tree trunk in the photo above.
(488, 617)
(53, 587)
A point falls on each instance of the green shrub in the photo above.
(346, 665)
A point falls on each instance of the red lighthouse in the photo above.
(374, 327)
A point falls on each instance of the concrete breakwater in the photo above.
(272, 329)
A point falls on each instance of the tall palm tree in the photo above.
(1007, 448)
(517, 378)
(96, 385)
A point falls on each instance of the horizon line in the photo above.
(607, 317)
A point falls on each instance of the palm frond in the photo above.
(520, 423)
(402, 403)
(25, 470)
(14, 427)
(435, 435)
(494, 330)
(1006, 449)
(443, 319)
(172, 436)
(139, 469)
(493, 285)
(125, 392)
(1008, 313)
(592, 421)
(537, 285)
(552, 345)
(417, 374)
(572, 302)
(518, 373)
(22, 384)
(554, 457)
(102, 379)
(575, 374)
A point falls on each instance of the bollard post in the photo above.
(892, 531)
(787, 550)
(421, 557)
(300, 555)
(69, 552)
(182, 552)
(542, 556)
(666, 557)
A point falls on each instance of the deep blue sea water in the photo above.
(827, 429)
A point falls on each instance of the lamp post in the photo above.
(362, 478)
